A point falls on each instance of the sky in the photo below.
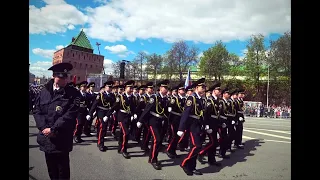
(125, 27)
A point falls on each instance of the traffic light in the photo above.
(122, 66)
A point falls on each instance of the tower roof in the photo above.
(81, 40)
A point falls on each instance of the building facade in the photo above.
(80, 54)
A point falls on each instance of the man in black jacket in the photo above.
(56, 109)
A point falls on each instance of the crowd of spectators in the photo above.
(272, 111)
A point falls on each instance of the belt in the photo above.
(175, 113)
(127, 112)
(223, 117)
(194, 116)
(103, 108)
(241, 112)
(214, 116)
(230, 115)
(155, 114)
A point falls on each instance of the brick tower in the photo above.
(80, 54)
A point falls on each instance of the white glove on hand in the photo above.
(162, 123)
(131, 118)
(180, 133)
(114, 112)
(207, 127)
(224, 125)
(209, 131)
(233, 122)
(105, 119)
(139, 124)
(218, 136)
(169, 109)
(240, 118)
(135, 116)
(88, 117)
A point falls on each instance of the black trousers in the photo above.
(224, 141)
(81, 120)
(210, 147)
(58, 165)
(184, 140)
(124, 133)
(238, 133)
(190, 161)
(231, 133)
(164, 129)
(101, 131)
(156, 130)
(146, 136)
(172, 147)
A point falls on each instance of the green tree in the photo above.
(154, 63)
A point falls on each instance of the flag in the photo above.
(188, 80)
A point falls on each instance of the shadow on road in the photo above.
(75, 144)
(32, 126)
(238, 156)
(33, 146)
(33, 134)
(173, 162)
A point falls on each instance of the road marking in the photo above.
(278, 131)
(267, 134)
(270, 140)
(266, 124)
(267, 121)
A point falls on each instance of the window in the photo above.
(78, 78)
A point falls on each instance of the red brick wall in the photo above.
(83, 62)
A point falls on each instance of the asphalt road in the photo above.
(267, 155)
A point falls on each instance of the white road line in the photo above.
(278, 131)
(265, 121)
(267, 134)
(247, 137)
(278, 125)
(268, 119)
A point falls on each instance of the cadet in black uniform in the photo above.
(223, 112)
(175, 109)
(91, 97)
(157, 111)
(231, 118)
(83, 112)
(139, 110)
(125, 108)
(102, 105)
(146, 132)
(133, 124)
(184, 139)
(240, 116)
(212, 124)
(55, 113)
(192, 120)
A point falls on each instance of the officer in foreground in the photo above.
(55, 113)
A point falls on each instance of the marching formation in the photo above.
(183, 116)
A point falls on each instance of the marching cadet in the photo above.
(83, 112)
(77, 86)
(174, 92)
(184, 139)
(156, 110)
(139, 110)
(91, 97)
(146, 132)
(133, 125)
(175, 110)
(211, 119)
(124, 107)
(223, 112)
(240, 117)
(231, 118)
(55, 113)
(120, 89)
(102, 105)
(114, 119)
(192, 119)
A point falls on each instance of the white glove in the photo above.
(135, 116)
(209, 131)
(105, 119)
(180, 133)
(233, 122)
(88, 117)
(207, 127)
(162, 123)
(169, 109)
(139, 124)
(131, 118)
(224, 125)
(240, 118)
(114, 112)
(218, 136)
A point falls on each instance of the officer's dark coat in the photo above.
(56, 111)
